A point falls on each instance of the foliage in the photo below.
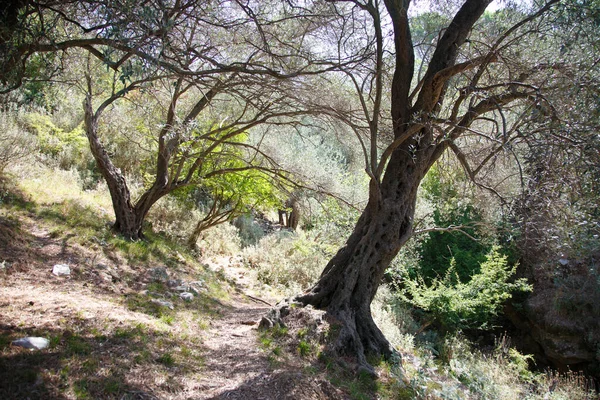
(467, 247)
(67, 147)
(15, 143)
(455, 305)
(233, 183)
(289, 261)
(250, 231)
(173, 216)
(220, 240)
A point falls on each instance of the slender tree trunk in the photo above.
(293, 218)
(128, 218)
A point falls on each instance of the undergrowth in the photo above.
(91, 358)
(138, 345)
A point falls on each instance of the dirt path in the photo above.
(232, 354)
(105, 348)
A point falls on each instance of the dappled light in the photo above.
(341, 199)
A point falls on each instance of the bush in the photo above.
(290, 261)
(69, 148)
(15, 143)
(455, 305)
(450, 206)
(173, 216)
(250, 231)
(222, 239)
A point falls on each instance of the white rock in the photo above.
(194, 290)
(163, 303)
(187, 296)
(61, 269)
(34, 343)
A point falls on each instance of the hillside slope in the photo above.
(109, 335)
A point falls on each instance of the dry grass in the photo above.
(110, 340)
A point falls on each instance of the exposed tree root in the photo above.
(353, 335)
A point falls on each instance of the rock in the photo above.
(159, 274)
(196, 287)
(4, 265)
(180, 258)
(163, 303)
(174, 282)
(265, 323)
(101, 266)
(182, 288)
(114, 276)
(33, 343)
(106, 276)
(61, 270)
(187, 296)
(194, 291)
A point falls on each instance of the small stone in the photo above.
(194, 291)
(563, 261)
(187, 296)
(114, 276)
(182, 288)
(61, 270)
(163, 303)
(174, 282)
(106, 277)
(101, 266)
(34, 343)
(265, 323)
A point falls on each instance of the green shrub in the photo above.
(69, 148)
(222, 239)
(455, 305)
(451, 207)
(249, 230)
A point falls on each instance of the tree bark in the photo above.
(293, 217)
(350, 280)
(128, 218)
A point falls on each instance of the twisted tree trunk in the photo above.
(129, 218)
(350, 280)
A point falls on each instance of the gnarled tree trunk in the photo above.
(129, 218)
(350, 280)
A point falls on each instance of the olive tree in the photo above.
(470, 88)
(240, 63)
